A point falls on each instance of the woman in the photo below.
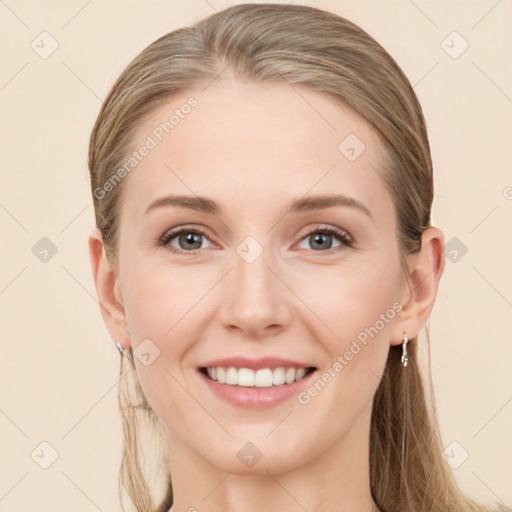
(265, 260)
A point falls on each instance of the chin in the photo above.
(257, 459)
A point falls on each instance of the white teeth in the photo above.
(245, 377)
(278, 377)
(231, 376)
(300, 373)
(290, 375)
(263, 378)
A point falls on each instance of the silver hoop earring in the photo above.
(405, 359)
(121, 349)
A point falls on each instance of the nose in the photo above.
(255, 298)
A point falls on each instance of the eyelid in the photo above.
(179, 230)
(345, 238)
(328, 228)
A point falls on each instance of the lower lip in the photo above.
(256, 398)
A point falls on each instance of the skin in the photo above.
(253, 149)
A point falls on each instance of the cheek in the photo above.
(160, 307)
(170, 305)
(349, 301)
(162, 300)
(358, 307)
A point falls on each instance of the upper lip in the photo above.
(256, 364)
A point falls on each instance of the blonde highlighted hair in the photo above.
(265, 43)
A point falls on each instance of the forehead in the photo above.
(247, 143)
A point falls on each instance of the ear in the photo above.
(108, 289)
(425, 268)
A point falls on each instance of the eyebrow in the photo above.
(311, 203)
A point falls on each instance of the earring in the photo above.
(405, 359)
(121, 349)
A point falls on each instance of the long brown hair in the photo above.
(331, 55)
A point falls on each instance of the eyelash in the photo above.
(345, 239)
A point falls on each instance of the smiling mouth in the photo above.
(262, 378)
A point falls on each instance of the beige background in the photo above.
(58, 377)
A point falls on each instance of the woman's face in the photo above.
(258, 281)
